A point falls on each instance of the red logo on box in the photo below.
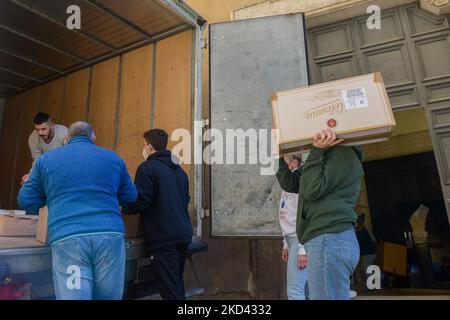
(332, 123)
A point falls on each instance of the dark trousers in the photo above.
(168, 268)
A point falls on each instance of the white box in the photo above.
(358, 109)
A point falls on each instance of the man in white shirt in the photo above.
(46, 136)
(293, 252)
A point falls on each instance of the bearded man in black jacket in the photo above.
(163, 198)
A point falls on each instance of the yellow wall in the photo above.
(397, 146)
(410, 121)
(411, 136)
(218, 10)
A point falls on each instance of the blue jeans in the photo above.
(332, 259)
(89, 267)
(296, 277)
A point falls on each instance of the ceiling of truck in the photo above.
(36, 46)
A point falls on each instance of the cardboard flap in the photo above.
(20, 216)
(42, 227)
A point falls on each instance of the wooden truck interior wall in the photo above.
(2, 108)
(155, 83)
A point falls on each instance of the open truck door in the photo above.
(249, 61)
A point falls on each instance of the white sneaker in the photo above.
(353, 294)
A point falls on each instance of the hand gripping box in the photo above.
(358, 109)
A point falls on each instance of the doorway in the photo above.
(396, 188)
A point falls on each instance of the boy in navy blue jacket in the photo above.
(163, 198)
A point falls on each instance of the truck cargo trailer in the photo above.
(127, 66)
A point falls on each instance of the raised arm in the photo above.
(289, 181)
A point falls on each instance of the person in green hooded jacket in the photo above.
(328, 186)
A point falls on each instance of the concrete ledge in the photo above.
(317, 13)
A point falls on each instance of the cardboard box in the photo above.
(358, 109)
(42, 227)
(13, 225)
(392, 258)
(133, 226)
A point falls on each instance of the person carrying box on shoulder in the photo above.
(328, 186)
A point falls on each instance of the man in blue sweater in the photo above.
(163, 199)
(83, 186)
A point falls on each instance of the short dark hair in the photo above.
(42, 117)
(158, 138)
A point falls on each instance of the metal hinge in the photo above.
(204, 43)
